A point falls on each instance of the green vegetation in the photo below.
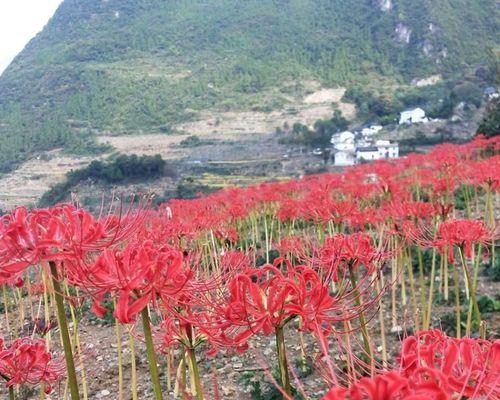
(260, 387)
(189, 188)
(144, 65)
(490, 125)
(320, 136)
(196, 141)
(411, 144)
(438, 100)
(493, 269)
(122, 169)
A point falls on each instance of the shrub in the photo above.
(124, 168)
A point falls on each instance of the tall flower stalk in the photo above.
(65, 336)
(153, 366)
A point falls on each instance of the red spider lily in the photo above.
(468, 367)
(192, 328)
(138, 274)
(403, 209)
(228, 234)
(319, 206)
(264, 299)
(27, 361)
(289, 210)
(443, 210)
(390, 386)
(342, 251)
(56, 234)
(484, 173)
(463, 233)
(259, 299)
(368, 216)
(292, 246)
(233, 261)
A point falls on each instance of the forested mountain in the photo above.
(132, 65)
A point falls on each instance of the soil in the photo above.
(227, 369)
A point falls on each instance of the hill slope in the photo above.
(143, 65)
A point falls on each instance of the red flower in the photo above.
(389, 386)
(469, 367)
(342, 251)
(463, 233)
(28, 361)
(56, 234)
(138, 274)
(266, 298)
(259, 300)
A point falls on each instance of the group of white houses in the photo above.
(350, 148)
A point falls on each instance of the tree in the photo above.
(493, 64)
(490, 125)
(468, 92)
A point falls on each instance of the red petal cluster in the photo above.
(28, 361)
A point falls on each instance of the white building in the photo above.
(491, 93)
(344, 148)
(344, 158)
(414, 116)
(343, 141)
(382, 149)
(367, 154)
(387, 149)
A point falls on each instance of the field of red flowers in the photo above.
(322, 259)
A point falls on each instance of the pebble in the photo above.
(103, 393)
(227, 391)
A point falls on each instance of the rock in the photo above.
(397, 329)
(103, 393)
(227, 391)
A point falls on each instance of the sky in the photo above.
(20, 21)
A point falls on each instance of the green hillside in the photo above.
(144, 65)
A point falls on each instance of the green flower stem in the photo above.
(133, 373)
(63, 324)
(11, 393)
(473, 300)
(195, 373)
(457, 301)
(282, 361)
(421, 279)
(431, 291)
(153, 366)
(362, 320)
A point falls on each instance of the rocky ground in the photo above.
(234, 375)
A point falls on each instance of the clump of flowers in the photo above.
(27, 361)
(433, 366)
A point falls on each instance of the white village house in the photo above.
(383, 149)
(387, 149)
(414, 116)
(367, 153)
(344, 148)
(344, 158)
(343, 141)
